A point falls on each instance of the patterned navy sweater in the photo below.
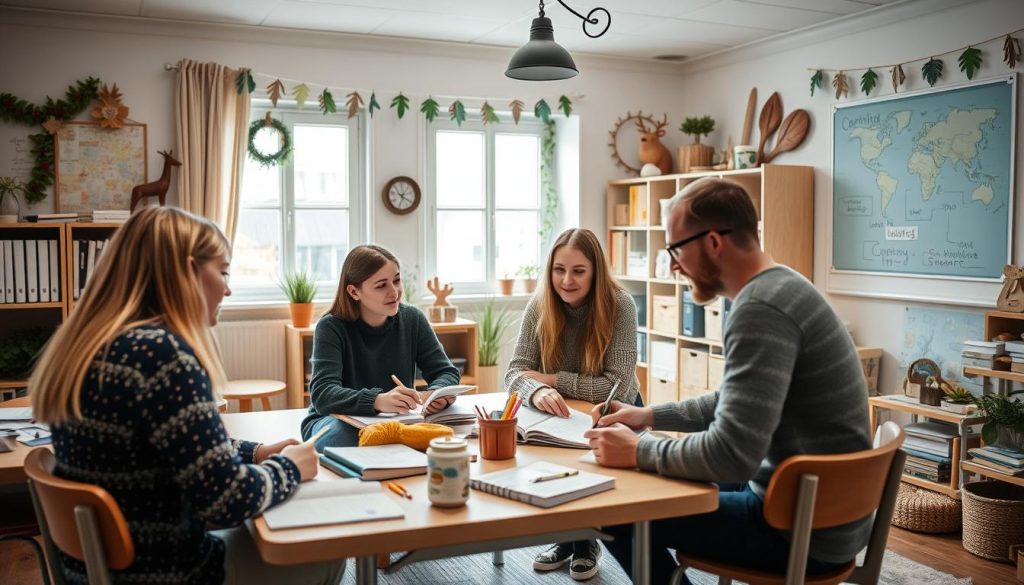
(150, 434)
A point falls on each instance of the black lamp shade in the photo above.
(541, 59)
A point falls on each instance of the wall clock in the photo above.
(401, 195)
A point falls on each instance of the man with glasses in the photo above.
(793, 385)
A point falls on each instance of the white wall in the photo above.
(719, 86)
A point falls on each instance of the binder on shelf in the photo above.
(43, 251)
(90, 263)
(55, 295)
(8, 266)
(83, 252)
(3, 271)
(31, 272)
(18, 251)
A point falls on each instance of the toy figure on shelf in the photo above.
(441, 311)
(159, 187)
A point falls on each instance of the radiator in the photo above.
(253, 350)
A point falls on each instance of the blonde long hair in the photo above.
(599, 326)
(146, 275)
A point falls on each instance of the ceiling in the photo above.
(640, 29)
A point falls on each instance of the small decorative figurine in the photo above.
(159, 187)
(441, 311)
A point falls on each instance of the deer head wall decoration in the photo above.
(158, 187)
(652, 151)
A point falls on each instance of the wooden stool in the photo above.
(245, 391)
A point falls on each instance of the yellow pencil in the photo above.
(508, 406)
(318, 434)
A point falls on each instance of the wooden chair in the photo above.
(245, 391)
(821, 491)
(79, 519)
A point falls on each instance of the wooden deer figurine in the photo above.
(441, 311)
(652, 151)
(158, 187)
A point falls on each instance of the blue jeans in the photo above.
(340, 434)
(735, 533)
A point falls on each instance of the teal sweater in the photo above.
(353, 362)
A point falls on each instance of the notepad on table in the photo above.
(518, 484)
(343, 501)
(18, 414)
(456, 414)
(381, 461)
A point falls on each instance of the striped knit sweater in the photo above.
(793, 385)
(619, 359)
(150, 435)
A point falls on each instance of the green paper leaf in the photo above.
(401, 104)
(517, 110)
(542, 110)
(989, 433)
(970, 61)
(868, 81)
(373, 104)
(932, 70)
(353, 103)
(457, 112)
(430, 109)
(565, 104)
(488, 115)
(327, 102)
(240, 81)
(816, 80)
(300, 92)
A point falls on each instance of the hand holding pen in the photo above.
(606, 407)
(400, 399)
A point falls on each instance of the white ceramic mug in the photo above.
(745, 156)
(448, 472)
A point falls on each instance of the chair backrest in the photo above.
(850, 485)
(59, 499)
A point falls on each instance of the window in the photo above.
(485, 184)
(302, 216)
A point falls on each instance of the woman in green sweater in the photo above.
(366, 350)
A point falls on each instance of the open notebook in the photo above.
(321, 502)
(538, 427)
(517, 484)
(456, 414)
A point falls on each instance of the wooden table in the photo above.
(487, 522)
(12, 463)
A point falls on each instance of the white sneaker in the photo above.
(585, 556)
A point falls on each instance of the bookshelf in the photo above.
(783, 196)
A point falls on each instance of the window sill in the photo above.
(278, 310)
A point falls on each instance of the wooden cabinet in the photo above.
(459, 340)
(783, 196)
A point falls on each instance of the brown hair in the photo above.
(597, 330)
(145, 276)
(719, 204)
(361, 263)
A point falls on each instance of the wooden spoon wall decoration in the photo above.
(748, 120)
(791, 134)
(771, 117)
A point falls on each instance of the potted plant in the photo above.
(957, 398)
(492, 324)
(696, 154)
(300, 288)
(10, 188)
(1005, 415)
(506, 284)
(529, 274)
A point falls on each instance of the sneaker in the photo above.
(553, 558)
(584, 560)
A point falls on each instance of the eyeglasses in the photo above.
(672, 248)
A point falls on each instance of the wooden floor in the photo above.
(943, 552)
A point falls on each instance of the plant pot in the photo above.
(302, 314)
(488, 380)
(530, 284)
(695, 155)
(506, 285)
(1008, 437)
(8, 219)
(958, 407)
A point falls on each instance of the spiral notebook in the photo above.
(517, 484)
(320, 502)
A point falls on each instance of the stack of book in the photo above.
(1015, 351)
(929, 447)
(984, 354)
(52, 217)
(110, 215)
(999, 458)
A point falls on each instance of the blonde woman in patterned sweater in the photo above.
(129, 384)
(577, 339)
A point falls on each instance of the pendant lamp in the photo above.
(542, 59)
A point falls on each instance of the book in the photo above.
(456, 414)
(380, 461)
(1000, 454)
(517, 484)
(336, 467)
(21, 413)
(317, 503)
(540, 428)
(994, 466)
(51, 217)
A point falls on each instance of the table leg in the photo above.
(641, 553)
(498, 558)
(366, 570)
(963, 451)
(265, 403)
(245, 405)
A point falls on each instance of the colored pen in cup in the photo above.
(559, 475)
(607, 403)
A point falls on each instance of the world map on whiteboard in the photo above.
(921, 184)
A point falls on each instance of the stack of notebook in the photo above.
(999, 458)
(929, 447)
(375, 463)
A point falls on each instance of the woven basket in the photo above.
(993, 518)
(923, 510)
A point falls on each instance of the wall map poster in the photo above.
(97, 167)
(922, 183)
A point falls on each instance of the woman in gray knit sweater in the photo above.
(577, 340)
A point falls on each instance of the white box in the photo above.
(666, 313)
(714, 321)
(663, 360)
(662, 391)
(693, 372)
(716, 371)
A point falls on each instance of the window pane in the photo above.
(321, 242)
(261, 184)
(460, 169)
(321, 164)
(517, 171)
(515, 240)
(256, 254)
(460, 246)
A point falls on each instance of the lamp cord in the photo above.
(588, 19)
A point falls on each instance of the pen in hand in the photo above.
(394, 378)
(607, 403)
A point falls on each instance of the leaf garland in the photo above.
(457, 112)
(932, 71)
(1011, 51)
(565, 105)
(970, 61)
(517, 110)
(488, 115)
(542, 110)
(327, 102)
(244, 81)
(840, 84)
(816, 80)
(400, 103)
(354, 102)
(898, 77)
(301, 93)
(274, 90)
(373, 103)
(430, 109)
(868, 81)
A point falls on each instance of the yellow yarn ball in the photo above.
(417, 435)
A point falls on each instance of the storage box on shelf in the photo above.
(870, 361)
(783, 196)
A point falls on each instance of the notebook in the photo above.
(540, 428)
(456, 414)
(20, 414)
(381, 461)
(516, 484)
(317, 503)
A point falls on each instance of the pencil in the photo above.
(318, 434)
(399, 489)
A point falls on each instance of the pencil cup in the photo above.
(498, 438)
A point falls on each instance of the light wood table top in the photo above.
(12, 463)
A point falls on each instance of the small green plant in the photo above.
(299, 287)
(409, 285)
(957, 394)
(698, 127)
(1003, 411)
(528, 271)
(19, 352)
(11, 188)
(493, 323)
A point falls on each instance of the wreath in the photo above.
(274, 158)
